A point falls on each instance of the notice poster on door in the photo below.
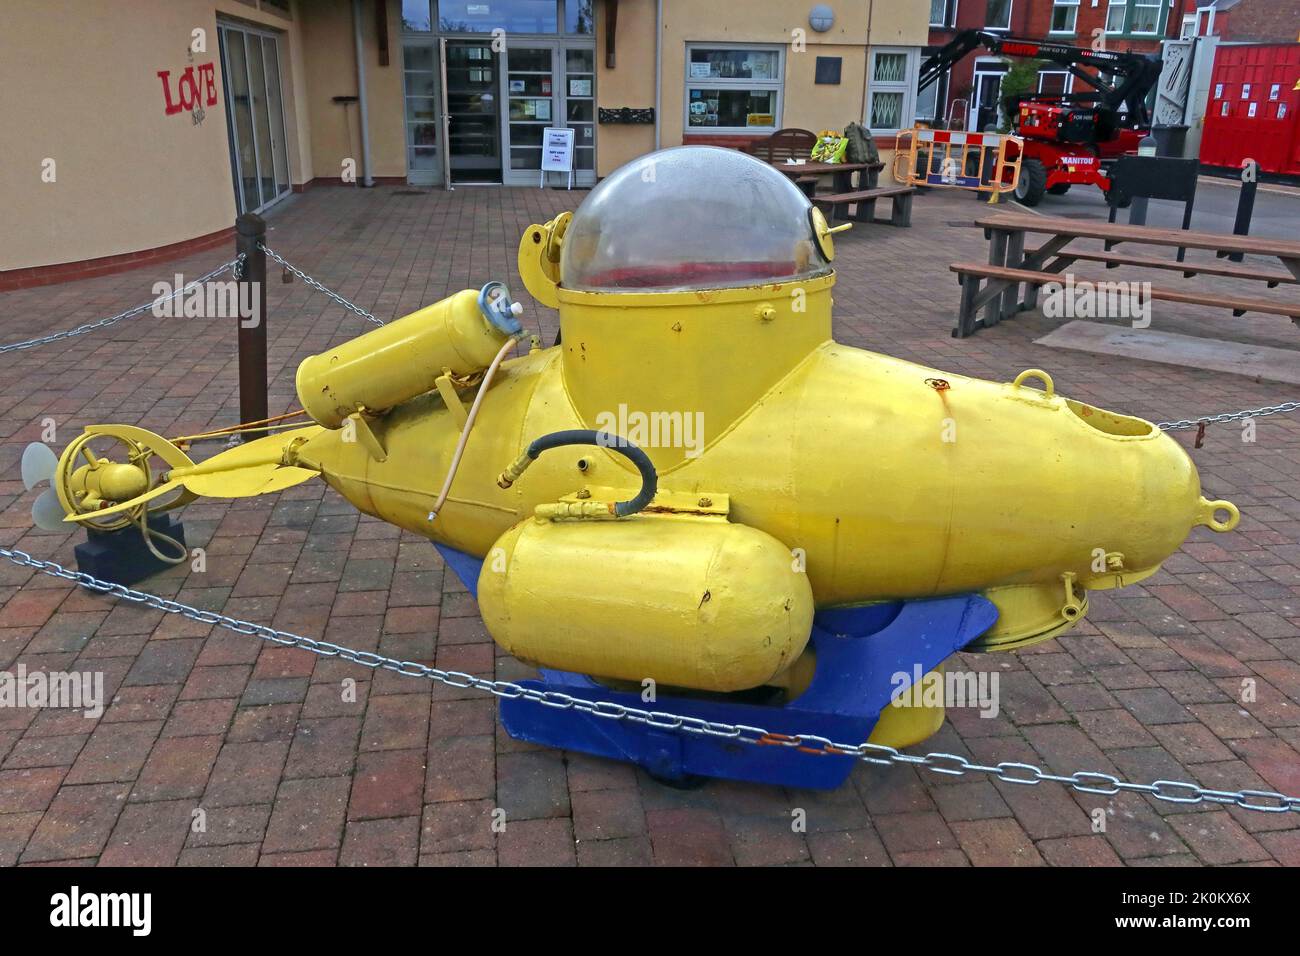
(557, 150)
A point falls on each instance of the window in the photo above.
(891, 92)
(415, 16)
(579, 17)
(513, 16)
(943, 13)
(1065, 14)
(1146, 16)
(733, 87)
(1055, 82)
(927, 103)
(997, 15)
(481, 16)
(1115, 14)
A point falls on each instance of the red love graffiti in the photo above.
(191, 90)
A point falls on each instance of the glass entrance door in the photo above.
(423, 155)
(473, 112)
(580, 110)
(984, 108)
(250, 62)
(549, 84)
(530, 79)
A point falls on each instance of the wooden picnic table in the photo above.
(843, 172)
(1007, 231)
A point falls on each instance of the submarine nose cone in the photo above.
(1150, 491)
(691, 217)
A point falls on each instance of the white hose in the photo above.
(469, 424)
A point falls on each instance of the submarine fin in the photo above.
(256, 468)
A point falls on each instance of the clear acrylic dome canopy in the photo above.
(690, 217)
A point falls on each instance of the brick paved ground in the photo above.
(287, 773)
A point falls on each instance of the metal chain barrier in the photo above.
(149, 306)
(1012, 772)
(318, 286)
(1171, 791)
(1264, 412)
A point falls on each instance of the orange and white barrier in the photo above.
(956, 159)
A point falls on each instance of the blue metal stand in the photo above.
(860, 654)
(122, 556)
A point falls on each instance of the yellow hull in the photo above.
(888, 486)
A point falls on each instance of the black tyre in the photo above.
(1122, 204)
(1032, 183)
(1060, 189)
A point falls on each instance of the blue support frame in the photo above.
(861, 652)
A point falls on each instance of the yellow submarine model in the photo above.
(697, 468)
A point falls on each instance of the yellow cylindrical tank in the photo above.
(395, 363)
(687, 601)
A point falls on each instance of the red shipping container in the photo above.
(1253, 108)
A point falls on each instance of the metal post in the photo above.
(1137, 213)
(1245, 209)
(250, 236)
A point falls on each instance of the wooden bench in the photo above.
(791, 143)
(999, 279)
(784, 144)
(1114, 260)
(1006, 232)
(865, 200)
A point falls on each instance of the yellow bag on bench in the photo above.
(830, 147)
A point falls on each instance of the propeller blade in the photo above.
(38, 464)
(47, 512)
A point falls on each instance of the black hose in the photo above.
(586, 436)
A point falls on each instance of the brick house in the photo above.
(1245, 21)
(1125, 25)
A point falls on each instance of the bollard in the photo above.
(250, 236)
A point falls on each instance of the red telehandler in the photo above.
(1069, 137)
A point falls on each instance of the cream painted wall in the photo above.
(128, 177)
(630, 83)
(805, 104)
(330, 70)
(81, 88)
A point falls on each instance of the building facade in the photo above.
(149, 126)
(971, 91)
(1245, 21)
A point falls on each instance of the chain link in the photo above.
(1283, 409)
(149, 306)
(1171, 791)
(317, 285)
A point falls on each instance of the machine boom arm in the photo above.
(1134, 74)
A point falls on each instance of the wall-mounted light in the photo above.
(821, 18)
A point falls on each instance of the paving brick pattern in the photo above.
(218, 749)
